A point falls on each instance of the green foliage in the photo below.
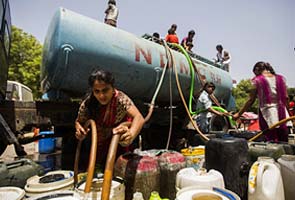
(241, 94)
(291, 92)
(25, 60)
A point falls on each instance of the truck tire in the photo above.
(3, 146)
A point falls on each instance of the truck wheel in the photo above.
(3, 146)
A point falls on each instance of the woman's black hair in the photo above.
(260, 66)
(101, 75)
(92, 103)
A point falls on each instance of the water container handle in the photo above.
(244, 168)
(258, 144)
(252, 180)
(262, 168)
(18, 163)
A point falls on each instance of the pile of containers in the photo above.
(148, 171)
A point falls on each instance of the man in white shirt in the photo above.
(223, 57)
(112, 13)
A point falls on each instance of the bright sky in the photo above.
(251, 30)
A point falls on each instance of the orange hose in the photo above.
(76, 164)
(108, 172)
(92, 159)
(272, 127)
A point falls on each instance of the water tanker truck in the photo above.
(76, 45)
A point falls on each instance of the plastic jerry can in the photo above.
(140, 173)
(257, 149)
(19, 171)
(265, 180)
(46, 145)
(230, 157)
(190, 177)
(170, 163)
(287, 163)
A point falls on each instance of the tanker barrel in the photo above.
(75, 45)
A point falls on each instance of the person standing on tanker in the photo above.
(205, 103)
(112, 13)
(223, 57)
(188, 40)
(271, 90)
(109, 108)
(172, 37)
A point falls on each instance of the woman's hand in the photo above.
(126, 135)
(80, 131)
(236, 116)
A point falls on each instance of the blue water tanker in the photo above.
(75, 45)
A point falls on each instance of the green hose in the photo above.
(222, 110)
(192, 72)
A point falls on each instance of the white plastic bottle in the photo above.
(137, 196)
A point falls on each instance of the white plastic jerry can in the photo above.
(265, 180)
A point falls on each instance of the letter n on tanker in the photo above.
(146, 54)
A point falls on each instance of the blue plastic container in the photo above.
(46, 145)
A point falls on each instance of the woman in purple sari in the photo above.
(271, 90)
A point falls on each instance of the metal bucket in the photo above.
(51, 181)
(117, 189)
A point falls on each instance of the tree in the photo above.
(25, 60)
(241, 94)
(291, 92)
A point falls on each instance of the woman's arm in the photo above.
(129, 134)
(248, 104)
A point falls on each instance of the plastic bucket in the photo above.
(58, 195)
(189, 177)
(11, 193)
(46, 145)
(199, 193)
(117, 189)
(194, 156)
(51, 181)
